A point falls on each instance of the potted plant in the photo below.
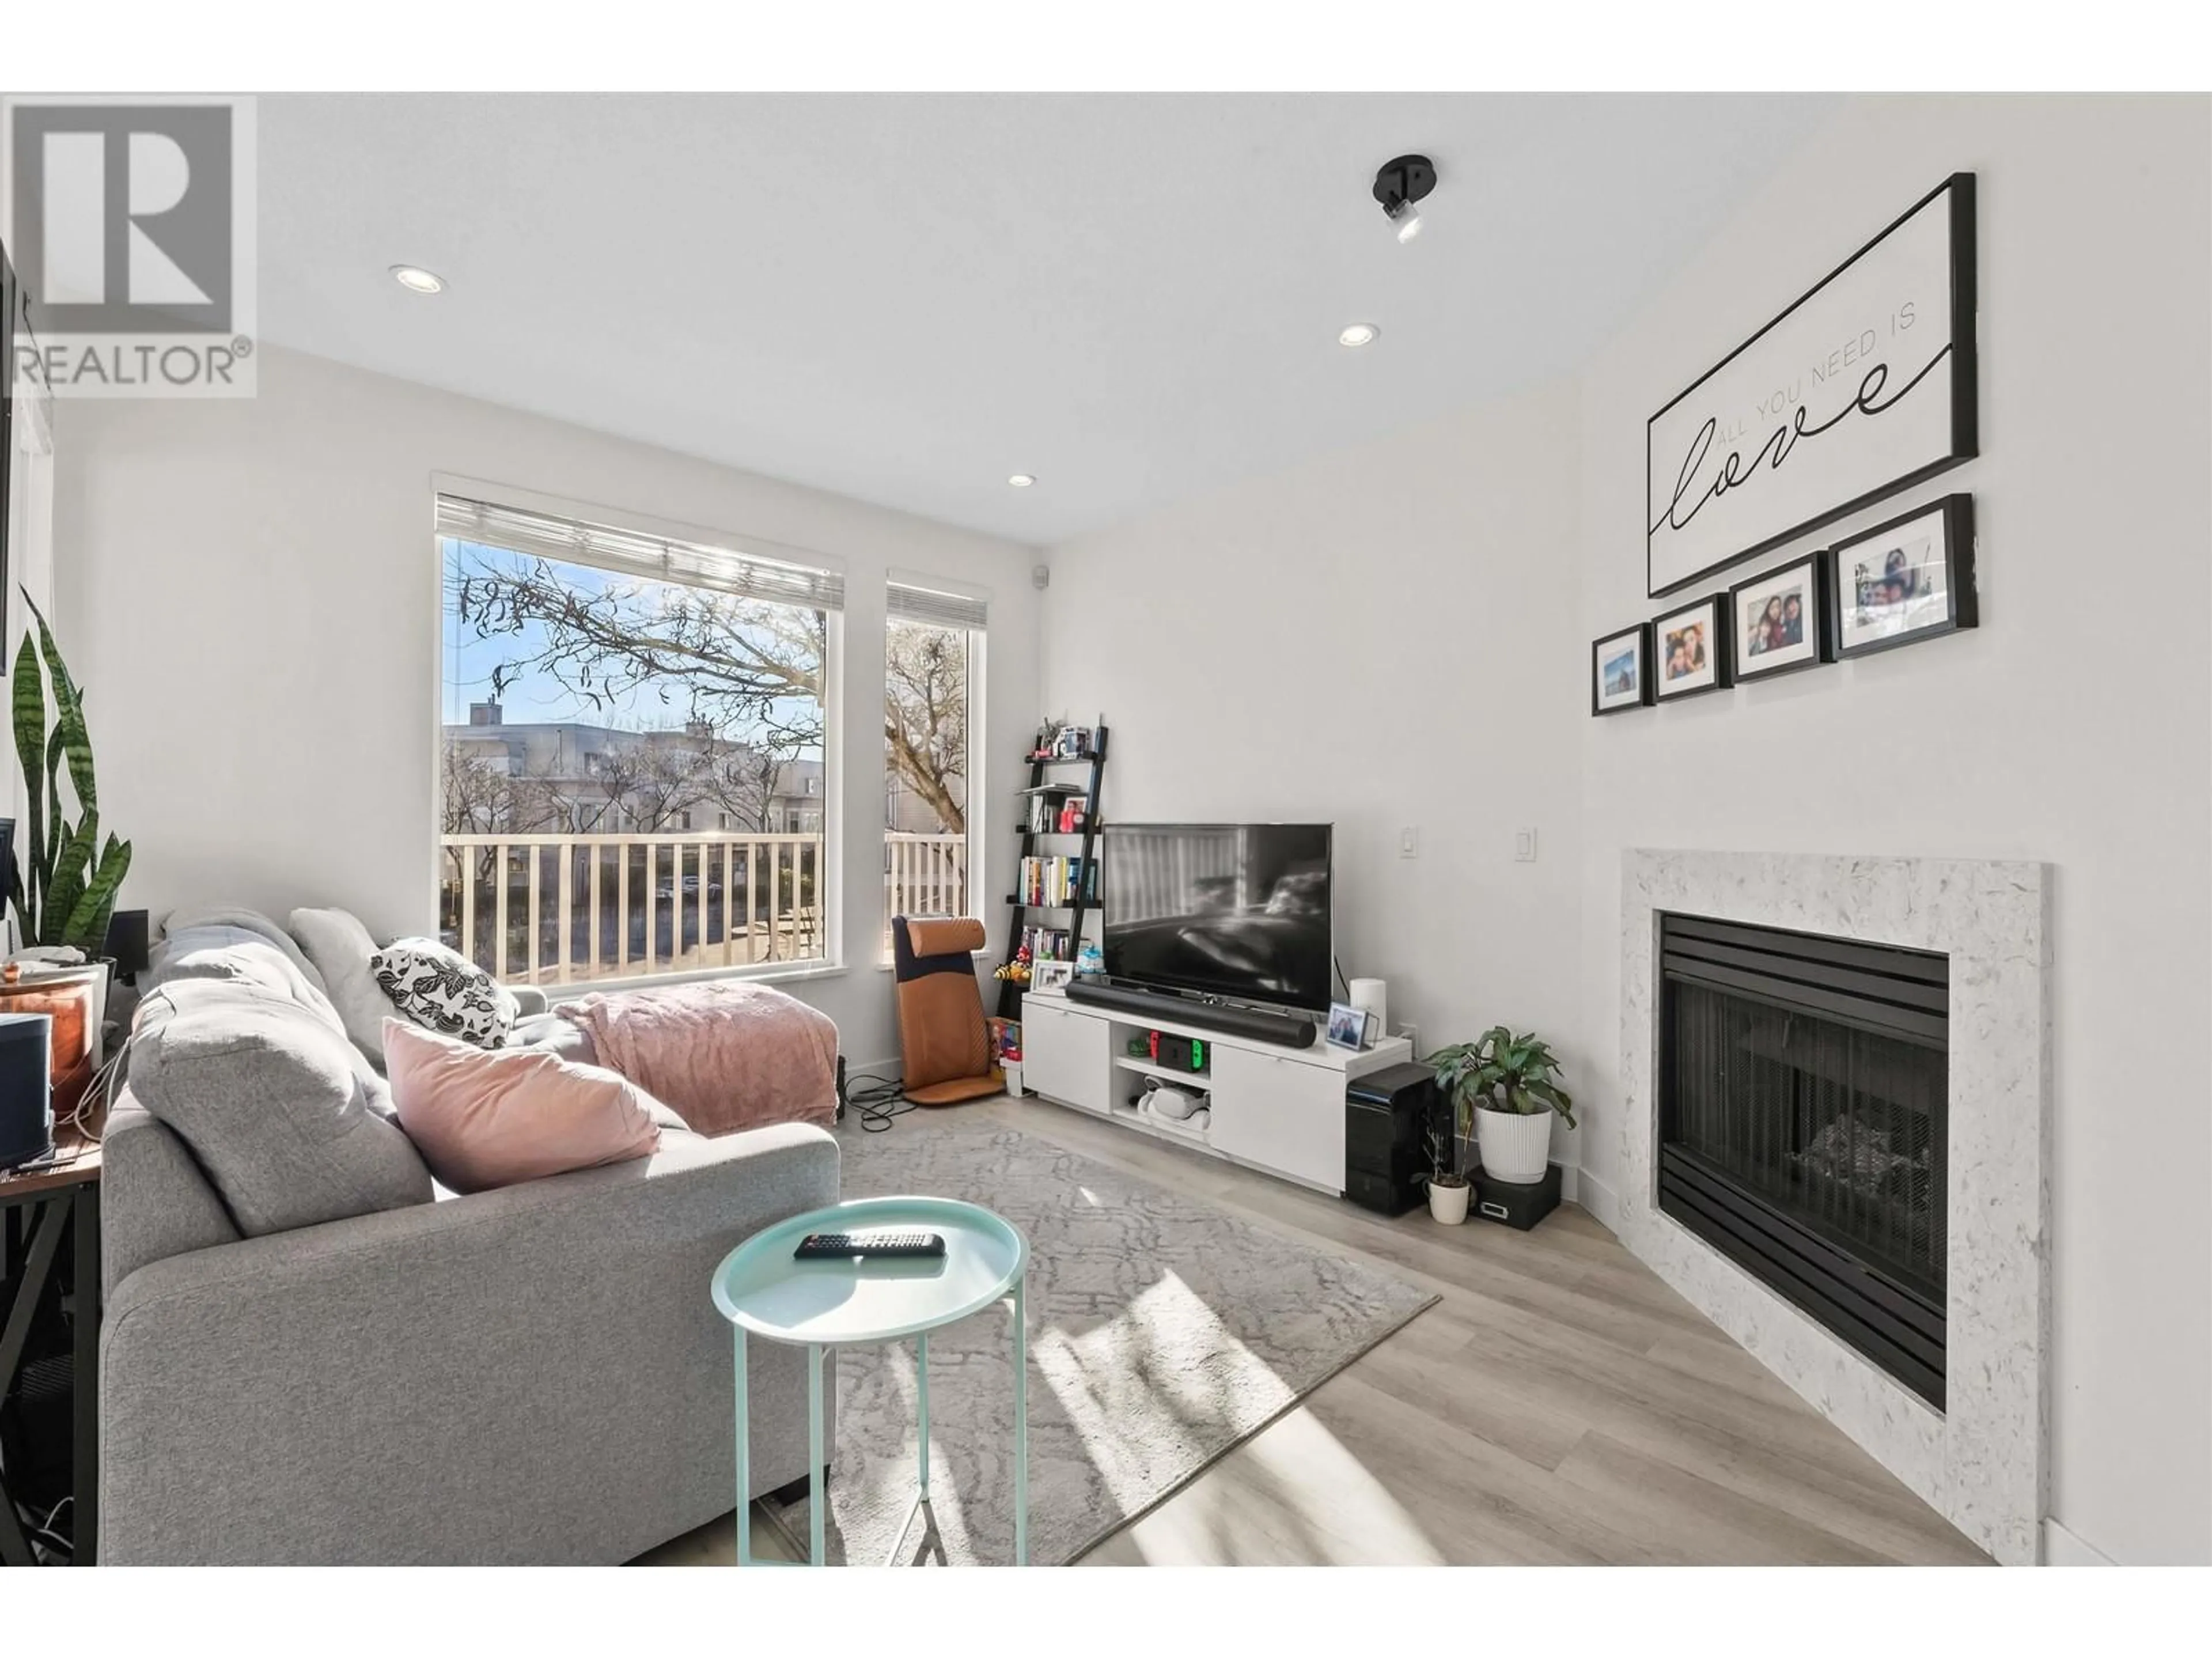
(1503, 1090)
(1449, 1190)
(64, 888)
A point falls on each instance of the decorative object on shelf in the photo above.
(1057, 740)
(64, 890)
(1779, 621)
(1906, 580)
(1046, 744)
(1863, 387)
(1507, 1086)
(1373, 995)
(1051, 975)
(1621, 670)
(1449, 1190)
(1348, 1025)
(1016, 972)
(1692, 649)
(1090, 961)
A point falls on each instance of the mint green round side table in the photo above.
(820, 1306)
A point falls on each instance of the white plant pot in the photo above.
(1514, 1147)
(1448, 1204)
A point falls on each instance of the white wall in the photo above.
(1375, 637)
(250, 594)
(2072, 727)
(1384, 638)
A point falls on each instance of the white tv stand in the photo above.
(1272, 1108)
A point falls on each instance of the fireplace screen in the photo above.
(1802, 1087)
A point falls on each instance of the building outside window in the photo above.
(607, 694)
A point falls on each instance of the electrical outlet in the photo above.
(1524, 846)
(1409, 842)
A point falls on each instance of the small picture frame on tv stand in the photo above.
(1349, 1027)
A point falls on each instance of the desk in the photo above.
(38, 1208)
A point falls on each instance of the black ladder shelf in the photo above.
(1009, 993)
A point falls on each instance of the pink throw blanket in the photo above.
(726, 1056)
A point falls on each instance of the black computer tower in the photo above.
(1385, 1117)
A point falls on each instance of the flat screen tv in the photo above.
(1232, 909)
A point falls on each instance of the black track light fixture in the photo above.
(1402, 181)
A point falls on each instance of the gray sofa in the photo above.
(535, 1374)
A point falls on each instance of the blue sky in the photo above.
(533, 696)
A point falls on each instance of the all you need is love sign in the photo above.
(1863, 388)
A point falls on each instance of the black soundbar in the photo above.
(1287, 1029)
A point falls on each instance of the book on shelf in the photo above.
(1053, 813)
(1049, 944)
(1057, 881)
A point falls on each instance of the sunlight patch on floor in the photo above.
(1166, 1358)
(1295, 1495)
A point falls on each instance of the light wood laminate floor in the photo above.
(1560, 1405)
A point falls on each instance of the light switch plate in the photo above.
(1524, 846)
(1409, 842)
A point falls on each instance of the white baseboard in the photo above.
(1599, 1200)
(2062, 1548)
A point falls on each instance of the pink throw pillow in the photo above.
(492, 1117)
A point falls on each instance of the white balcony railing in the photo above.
(925, 876)
(563, 910)
(555, 910)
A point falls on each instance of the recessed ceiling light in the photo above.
(1359, 334)
(416, 280)
(1023, 480)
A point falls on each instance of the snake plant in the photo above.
(64, 883)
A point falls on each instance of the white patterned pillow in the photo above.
(439, 988)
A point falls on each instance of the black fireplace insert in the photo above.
(1803, 1089)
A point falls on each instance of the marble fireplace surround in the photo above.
(1984, 1462)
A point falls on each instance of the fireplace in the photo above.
(1959, 963)
(1802, 1086)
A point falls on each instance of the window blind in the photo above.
(908, 601)
(782, 580)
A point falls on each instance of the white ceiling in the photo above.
(905, 299)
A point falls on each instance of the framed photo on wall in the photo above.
(1906, 580)
(1863, 388)
(1690, 649)
(1779, 621)
(1621, 670)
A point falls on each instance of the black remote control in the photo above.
(884, 1241)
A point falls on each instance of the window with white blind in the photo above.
(934, 638)
(610, 693)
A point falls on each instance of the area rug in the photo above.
(1162, 1332)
